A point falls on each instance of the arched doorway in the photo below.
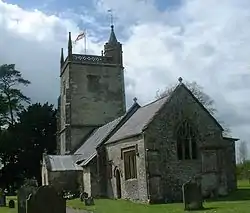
(118, 183)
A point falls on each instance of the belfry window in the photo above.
(186, 142)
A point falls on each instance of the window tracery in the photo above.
(186, 142)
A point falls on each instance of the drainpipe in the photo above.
(146, 166)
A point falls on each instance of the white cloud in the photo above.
(205, 41)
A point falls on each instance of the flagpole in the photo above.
(85, 42)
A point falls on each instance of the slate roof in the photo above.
(88, 150)
(139, 120)
(132, 123)
(62, 163)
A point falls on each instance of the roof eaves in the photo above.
(231, 139)
(88, 160)
(125, 137)
(65, 170)
(123, 120)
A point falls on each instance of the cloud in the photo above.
(203, 41)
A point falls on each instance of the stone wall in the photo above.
(231, 165)
(65, 180)
(45, 178)
(90, 179)
(87, 180)
(133, 189)
(91, 95)
(96, 94)
(160, 141)
(64, 86)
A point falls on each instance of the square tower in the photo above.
(92, 93)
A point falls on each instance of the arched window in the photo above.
(186, 142)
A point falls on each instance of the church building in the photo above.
(144, 153)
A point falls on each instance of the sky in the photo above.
(203, 41)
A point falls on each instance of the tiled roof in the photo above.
(61, 163)
(88, 150)
(140, 119)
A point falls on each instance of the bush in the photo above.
(243, 170)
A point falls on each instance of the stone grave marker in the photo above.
(192, 195)
(12, 204)
(22, 196)
(89, 201)
(45, 199)
(2, 198)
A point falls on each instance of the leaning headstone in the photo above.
(12, 204)
(28, 188)
(46, 199)
(89, 201)
(2, 198)
(192, 195)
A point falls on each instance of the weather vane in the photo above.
(110, 11)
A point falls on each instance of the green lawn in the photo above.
(7, 209)
(238, 201)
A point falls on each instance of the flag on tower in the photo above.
(80, 36)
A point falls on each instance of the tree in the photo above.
(37, 130)
(203, 98)
(197, 91)
(22, 145)
(10, 81)
(243, 152)
(242, 170)
(3, 111)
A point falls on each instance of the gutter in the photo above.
(123, 138)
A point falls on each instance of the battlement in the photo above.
(89, 59)
(93, 59)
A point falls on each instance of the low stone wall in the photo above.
(66, 180)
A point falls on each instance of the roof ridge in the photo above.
(152, 102)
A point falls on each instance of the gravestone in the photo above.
(89, 201)
(28, 188)
(192, 195)
(45, 199)
(2, 198)
(12, 204)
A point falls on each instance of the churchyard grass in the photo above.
(7, 209)
(238, 201)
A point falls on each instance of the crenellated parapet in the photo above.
(88, 60)
(93, 59)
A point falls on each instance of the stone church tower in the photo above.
(92, 93)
